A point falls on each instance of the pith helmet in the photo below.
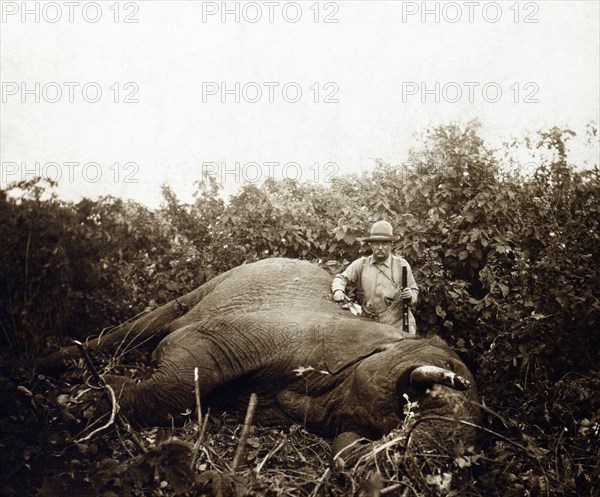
(381, 231)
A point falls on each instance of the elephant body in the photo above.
(271, 327)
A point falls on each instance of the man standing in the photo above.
(378, 277)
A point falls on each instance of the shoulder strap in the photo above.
(359, 287)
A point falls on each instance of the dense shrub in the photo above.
(69, 270)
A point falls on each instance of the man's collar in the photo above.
(386, 263)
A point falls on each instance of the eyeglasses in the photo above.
(380, 244)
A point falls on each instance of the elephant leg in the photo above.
(169, 394)
(157, 401)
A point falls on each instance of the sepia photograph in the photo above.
(300, 248)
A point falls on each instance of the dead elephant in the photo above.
(272, 328)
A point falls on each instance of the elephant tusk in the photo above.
(425, 376)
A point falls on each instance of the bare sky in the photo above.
(316, 98)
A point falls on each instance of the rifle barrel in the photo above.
(404, 301)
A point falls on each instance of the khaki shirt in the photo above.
(380, 281)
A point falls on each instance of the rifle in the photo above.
(404, 301)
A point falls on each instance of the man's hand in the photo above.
(406, 294)
(340, 296)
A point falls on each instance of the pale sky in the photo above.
(371, 66)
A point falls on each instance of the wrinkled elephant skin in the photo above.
(272, 328)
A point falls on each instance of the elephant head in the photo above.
(423, 374)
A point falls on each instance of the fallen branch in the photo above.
(113, 414)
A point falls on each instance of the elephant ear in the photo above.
(348, 341)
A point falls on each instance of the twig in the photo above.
(391, 488)
(260, 466)
(127, 428)
(346, 447)
(302, 458)
(135, 319)
(209, 453)
(239, 453)
(113, 414)
(119, 416)
(507, 423)
(90, 386)
(83, 392)
(118, 353)
(204, 425)
(376, 450)
(197, 394)
(320, 482)
(202, 431)
(89, 426)
(123, 444)
(129, 347)
(89, 363)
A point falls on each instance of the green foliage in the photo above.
(507, 265)
(69, 270)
